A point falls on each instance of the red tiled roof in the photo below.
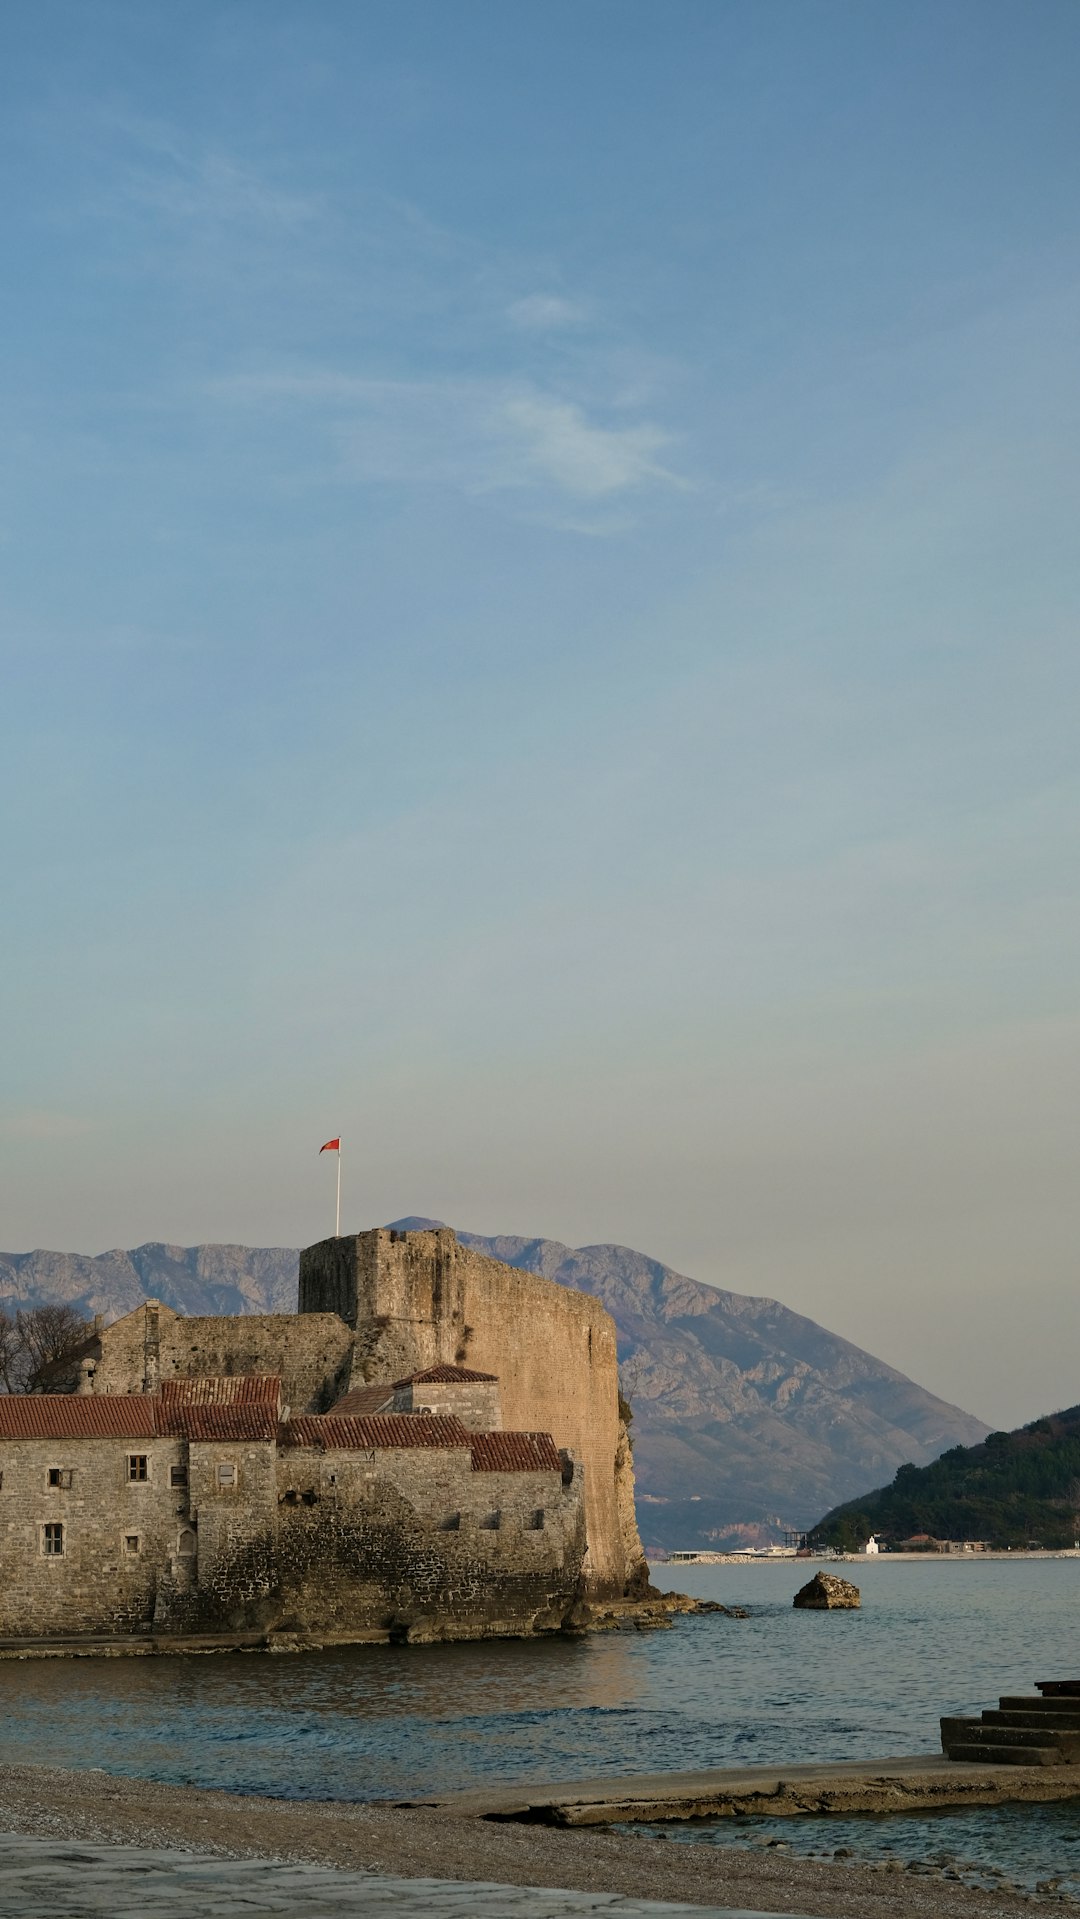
(445, 1376)
(363, 1399)
(233, 1389)
(78, 1416)
(239, 1406)
(227, 1422)
(515, 1453)
(377, 1432)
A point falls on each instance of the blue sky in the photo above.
(538, 580)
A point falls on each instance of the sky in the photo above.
(538, 584)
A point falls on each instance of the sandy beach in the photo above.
(99, 1808)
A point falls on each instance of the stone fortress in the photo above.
(431, 1448)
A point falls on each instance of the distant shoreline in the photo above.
(857, 1559)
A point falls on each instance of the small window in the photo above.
(451, 1524)
(185, 1545)
(138, 1467)
(177, 1476)
(53, 1542)
(491, 1522)
(131, 1545)
(534, 1522)
(60, 1476)
(226, 1473)
(1, 1482)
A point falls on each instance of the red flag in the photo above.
(332, 1146)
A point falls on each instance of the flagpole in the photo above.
(337, 1215)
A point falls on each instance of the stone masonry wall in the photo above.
(398, 1543)
(418, 1299)
(312, 1356)
(475, 1402)
(96, 1585)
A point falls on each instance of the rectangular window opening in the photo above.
(178, 1476)
(59, 1476)
(226, 1473)
(535, 1521)
(491, 1522)
(54, 1541)
(131, 1544)
(451, 1524)
(138, 1468)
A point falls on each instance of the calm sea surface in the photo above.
(386, 1722)
(376, 1722)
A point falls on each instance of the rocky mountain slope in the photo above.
(748, 1418)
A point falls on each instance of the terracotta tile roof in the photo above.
(233, 1389)
(363, 1399)
(515, 1453)
(239, 1406)
(378, 1432)
(227, 1422)
(77, 1416)
(445, 1376)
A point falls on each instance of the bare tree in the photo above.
(33, 1344)
(9, 1355)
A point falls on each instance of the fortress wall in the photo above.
(311, 1355)
(364, 1552)
(420, 1298)
(233, 1522)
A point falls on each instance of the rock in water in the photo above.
(824, 1593)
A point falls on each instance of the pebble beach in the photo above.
(424, 1861)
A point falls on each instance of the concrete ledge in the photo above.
(920, 1783)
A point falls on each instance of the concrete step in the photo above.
(1027, 1703)
(977, 1732)
(981, 1754)
(1022, 1716)
(1058, 1688)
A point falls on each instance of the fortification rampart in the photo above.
(312, 1356)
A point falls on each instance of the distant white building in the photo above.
(871, 1545)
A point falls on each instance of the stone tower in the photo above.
(418, 1299)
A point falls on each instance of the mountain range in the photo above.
(747, 1417)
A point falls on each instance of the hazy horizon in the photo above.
(538, 581)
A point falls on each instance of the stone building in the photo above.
(420, 1299)
(391, 1305)
(209, 1507)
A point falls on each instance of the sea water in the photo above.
(941, 1636)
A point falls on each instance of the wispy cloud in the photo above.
(479, 436)
(179, 179)
(561, 445)
(547, 312)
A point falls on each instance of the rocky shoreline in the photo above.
(425, 1843)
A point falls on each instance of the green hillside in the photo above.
(1015, 1489)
